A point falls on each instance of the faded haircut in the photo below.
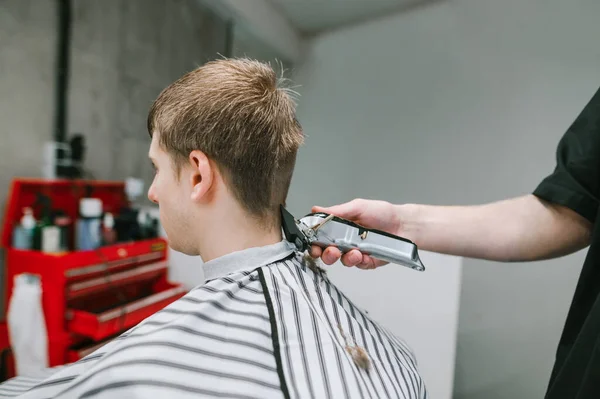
(239, 115)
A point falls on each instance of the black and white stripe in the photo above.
(315, 308)
(266, 330)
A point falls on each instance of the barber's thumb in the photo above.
(325, 209)
(342, 210)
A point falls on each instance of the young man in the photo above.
(267, 323)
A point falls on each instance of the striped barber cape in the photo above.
(266, 324)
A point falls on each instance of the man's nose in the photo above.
(152, 195)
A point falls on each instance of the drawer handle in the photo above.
(142, 303)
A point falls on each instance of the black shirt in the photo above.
(575, 183)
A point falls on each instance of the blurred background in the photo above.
(411, 101)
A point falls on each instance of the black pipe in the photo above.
(62, 76)
(62, 69)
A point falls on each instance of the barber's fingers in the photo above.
(315, 251)
(331, 255)
(369, 263)
(352, 258)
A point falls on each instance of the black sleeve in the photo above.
(575, 182)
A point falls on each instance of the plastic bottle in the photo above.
(127, 223)
(63, 222)
(48, 237)
(89, 224)
(109, 235)
(51, 237)
(45, 235)
(23, 233)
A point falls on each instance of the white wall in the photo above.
(458, 103)
(264, 22)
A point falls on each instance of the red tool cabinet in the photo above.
(88, 297)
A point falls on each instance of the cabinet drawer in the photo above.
(100, 325)
(99, 284)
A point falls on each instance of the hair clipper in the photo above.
(325, 230)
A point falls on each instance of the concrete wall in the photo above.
(124, 52)
(27, 47)
(462, 102)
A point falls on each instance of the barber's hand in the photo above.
(379, 215)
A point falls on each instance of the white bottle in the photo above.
(51, 239)
(27, 326)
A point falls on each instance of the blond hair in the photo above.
(234, 111)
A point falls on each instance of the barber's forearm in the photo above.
(518, 229)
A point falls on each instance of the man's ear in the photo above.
(201, 177)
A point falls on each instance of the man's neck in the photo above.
(233, 231)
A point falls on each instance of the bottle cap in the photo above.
(134, 188)
(28, 221)
(109, 221)
(142, 217)
(90, 207)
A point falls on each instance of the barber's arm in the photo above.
(519, 229)
(555, 220)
